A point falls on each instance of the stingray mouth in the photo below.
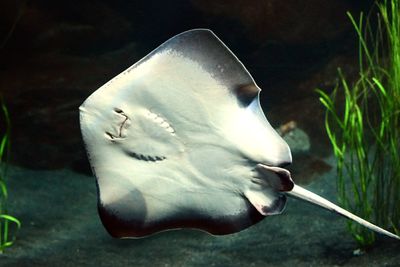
(276, 177)
(121, 123)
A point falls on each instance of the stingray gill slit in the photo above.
(162, 122)
(152, 118)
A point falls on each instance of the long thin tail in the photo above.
(304, 194)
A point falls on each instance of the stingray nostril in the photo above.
(118, 110)
(110, 135)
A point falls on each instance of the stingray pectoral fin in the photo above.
(266, 201)
(303, 194)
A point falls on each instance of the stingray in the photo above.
(179, 140)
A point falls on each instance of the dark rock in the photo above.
(290, 21)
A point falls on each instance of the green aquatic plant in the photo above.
(7, 233)
(363, 125)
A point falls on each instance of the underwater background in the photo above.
(54, 54)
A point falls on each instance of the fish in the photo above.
(179, 140)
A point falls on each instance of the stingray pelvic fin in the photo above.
(303, 194)
(267, 201)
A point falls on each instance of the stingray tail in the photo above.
(303, 194)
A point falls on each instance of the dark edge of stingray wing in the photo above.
(119, 228)
(205, 48)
